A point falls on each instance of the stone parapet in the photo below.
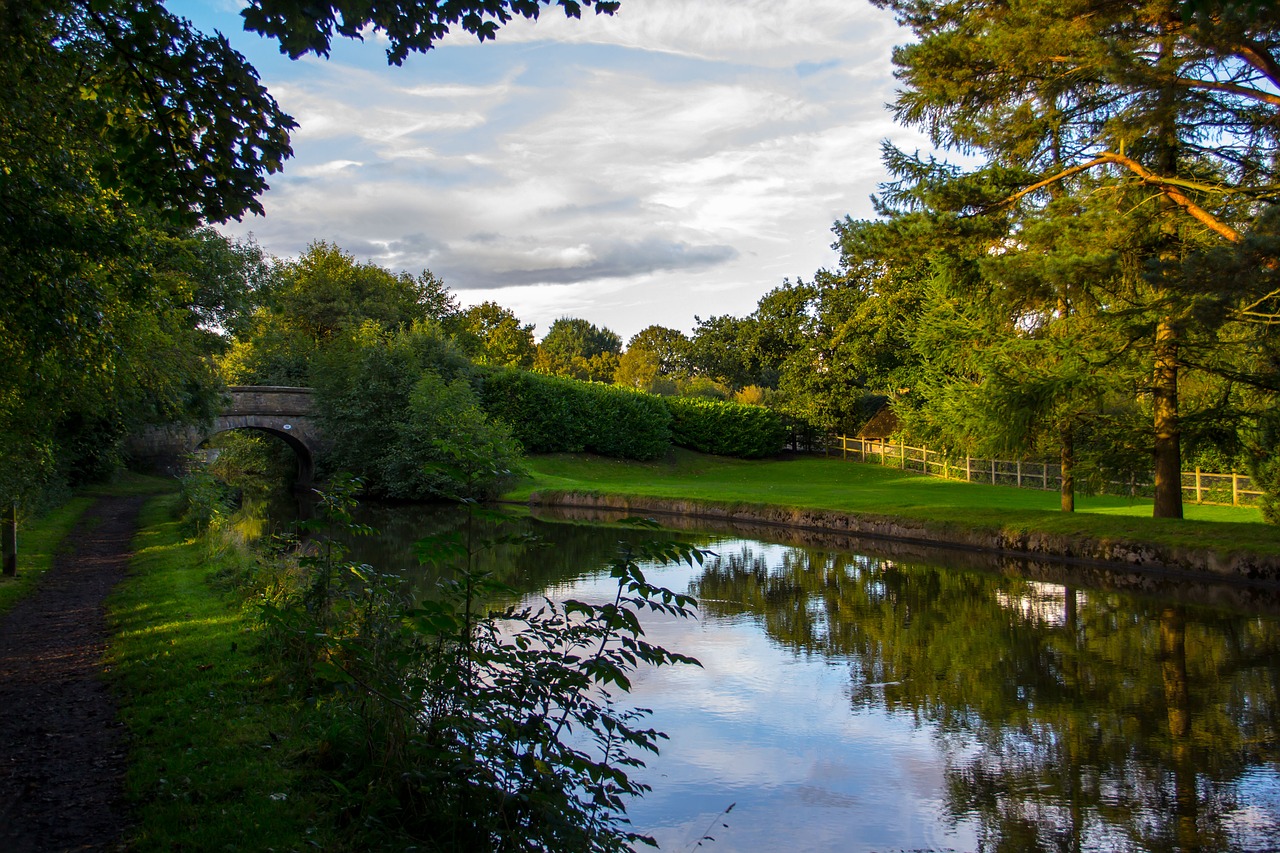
(282, 411)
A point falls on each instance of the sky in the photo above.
(678, 159)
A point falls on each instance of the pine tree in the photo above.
(1175, 105)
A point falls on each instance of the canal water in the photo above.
(864, 696)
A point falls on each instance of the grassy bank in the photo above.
(39, 541)
(215, 737)
(872, 490)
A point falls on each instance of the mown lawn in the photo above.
(833, 484)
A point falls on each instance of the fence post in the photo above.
(1235, 489)
(902, 457)
(1019, 473)
(968, 469)
(1197, 484)
(10, 546)
(993, 472)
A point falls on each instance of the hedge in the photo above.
(550, 414)
(726, 429)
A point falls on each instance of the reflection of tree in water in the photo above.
(526, 554)
(1069, 721)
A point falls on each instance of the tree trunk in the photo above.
(1168, 451)
(1068, 458)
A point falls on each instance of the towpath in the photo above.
(62, 751)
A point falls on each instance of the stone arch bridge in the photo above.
(284, 412)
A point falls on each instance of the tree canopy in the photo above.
(1162, 114)
(579, 349)
(407, 26)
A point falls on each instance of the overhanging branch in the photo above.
(1167, 186)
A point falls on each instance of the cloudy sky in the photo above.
(679, 158)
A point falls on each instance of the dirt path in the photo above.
(62, 753)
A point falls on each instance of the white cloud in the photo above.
(771, 33)
(677, 159)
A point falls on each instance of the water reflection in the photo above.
(1066, 720)
(855, 702)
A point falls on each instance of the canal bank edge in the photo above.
(1133, 556)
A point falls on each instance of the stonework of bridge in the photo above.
(282, 411)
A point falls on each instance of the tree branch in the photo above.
(1232, 88)
(1168, 186)
(1260, 58)
(1251, 310)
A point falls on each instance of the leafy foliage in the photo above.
(657, 358)
(550, 414)
(578, 349)
(400, 412)
(408, 27)
(304, 305)
(456, 724)
(179, 119)
(726, 429)
(493, 335)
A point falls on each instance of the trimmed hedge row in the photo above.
(726, 429)
(550, 414)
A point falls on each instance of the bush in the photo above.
(459, 727)
(402, 415)
(726, 429)
(447, 447)
(550, 414)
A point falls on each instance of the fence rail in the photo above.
(1202, 487)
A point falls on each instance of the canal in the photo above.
(864, 696)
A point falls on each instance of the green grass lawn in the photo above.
(833, 484)
(39, 541)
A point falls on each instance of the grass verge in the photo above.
(872, 490)
(39, 541)
(42, 538)
(215, 738)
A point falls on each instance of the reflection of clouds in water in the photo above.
(1260, 821)
(774, 732)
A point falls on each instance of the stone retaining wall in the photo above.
(1081, 550)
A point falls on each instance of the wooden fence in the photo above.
(1199, 486)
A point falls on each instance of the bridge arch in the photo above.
(282, 411)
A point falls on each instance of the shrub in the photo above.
(458, 727)
(551, 414)
(401, 414)
(726, 429)
(447, 447)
